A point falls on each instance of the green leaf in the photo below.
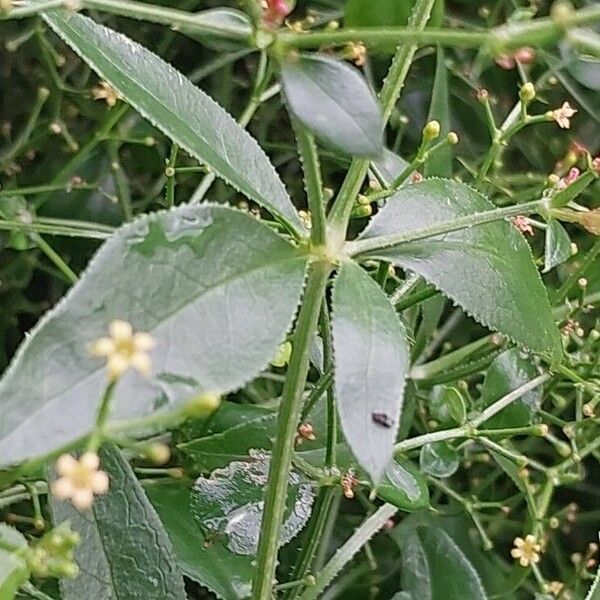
(487, 269)
(558, 245)
(13, 574)
(387, 13)
(404, 486)
(434, 567)
(447, 405)
(438, 459)
(234, 442)
(213, 566)
(509, 371)
(334, 101)
(216, 288)
(178, 108)
(221, 17)
(229, 504)
(440, 162)
(371, 360)
(124, 552)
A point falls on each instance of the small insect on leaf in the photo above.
(382, 419)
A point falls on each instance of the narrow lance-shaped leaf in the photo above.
(216, 288)
(434, 567)
(178, 108)
(371, 359)
(487, 269)
(212, 565)
(124, 552)
(333, 100)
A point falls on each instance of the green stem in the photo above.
(390, 92)
(313, 183)
(99, 432)
(289, 414)
(58, 261)
(56, 229)
(344, 555)
(469, 429)
(535, 32)
(386, 241)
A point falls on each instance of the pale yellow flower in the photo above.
(79, 479)
(124, 350)
(563, 115)
(527, 550)
(103, 91)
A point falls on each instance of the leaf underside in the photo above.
(216, 288)
(371, 360)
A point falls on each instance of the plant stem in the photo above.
(469, 429)
(97, 436)
(390, 92)
(58, 261)
(309, 157)
(386, 241)
(52, 229)
(344, 555)
(289, 414)
(510, 35)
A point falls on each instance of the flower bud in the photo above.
(527, 92)
(431, 131)
(452, 138)
(158, 453)
(282, 358)
(202, 405)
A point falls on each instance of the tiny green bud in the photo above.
(169, 171)
(594, 334)
(527, 92)
(452, 138)
(361, 211)
(431, 131)
(363, 200)
(202, 405)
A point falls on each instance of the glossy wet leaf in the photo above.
(206, 561)
(558, 245)
(228, 505)
(371, 359)
(216, 288)
(434, 567)
(124, 552)
(447, 405)
(438, 459)
(348, 116)
(440, 162)
(487, 269)
(178, 108)
(233, 443)
(507, 372)
(404, 486)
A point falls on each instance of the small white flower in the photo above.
(79, 479)
(527, 550)
(124, 349)
(563, 115)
